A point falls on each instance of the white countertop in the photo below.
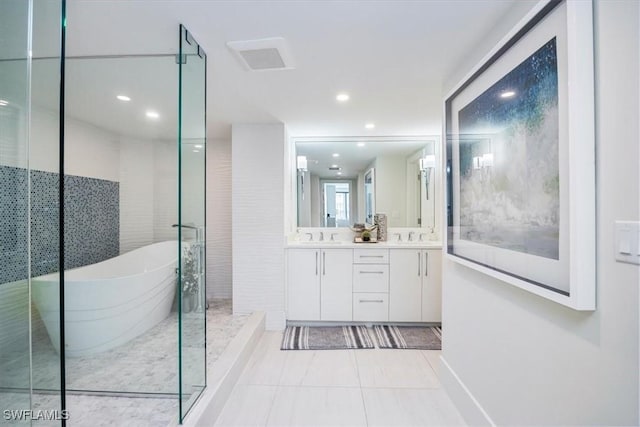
(379, 245)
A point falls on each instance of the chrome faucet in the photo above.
(421, 236)
(411, 234)
(310, 236)
(321, 236)
(399, 236)
(332, 236)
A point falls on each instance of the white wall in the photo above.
(390, 176)
(527, 360)
(258, 165)
(165, 190)
(219, 248)
(136, 195)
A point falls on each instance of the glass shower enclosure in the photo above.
(102, 171)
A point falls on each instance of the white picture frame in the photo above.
(555, 257)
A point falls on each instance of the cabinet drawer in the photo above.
(370, 278)
(370, 307)
(371, 256)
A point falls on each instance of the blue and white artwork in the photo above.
(509, 160)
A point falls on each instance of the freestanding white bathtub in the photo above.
(111, 302)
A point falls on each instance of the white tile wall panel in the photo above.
(258, 220)
(219, 256)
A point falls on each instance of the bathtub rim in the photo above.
(48, 278)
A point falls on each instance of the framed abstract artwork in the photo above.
(520, 158)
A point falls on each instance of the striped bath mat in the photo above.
(417, 337)
(325, 338)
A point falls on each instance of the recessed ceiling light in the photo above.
(334, 166)
(339, 173)
(360, 144)
(198, 146)
(342, 97)
(336, 155)
(152, 114)
(507, 94)
(3, 102)
(370, 125)
(124, 98)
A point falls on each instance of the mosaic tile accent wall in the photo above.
(13, 230)
(92, 222)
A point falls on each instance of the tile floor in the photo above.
(339, 387)
(146, 364)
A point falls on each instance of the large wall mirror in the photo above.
(342, 181)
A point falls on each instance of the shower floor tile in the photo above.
(146, 364)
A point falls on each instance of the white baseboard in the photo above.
(469, 407)
(225, 372)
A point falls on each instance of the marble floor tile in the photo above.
(395, 368)
(328, 368)
(433, 356)
(317, 406)
(340, 387)
(267, 362)
(248, 405)
(145, 364)
(410, 407)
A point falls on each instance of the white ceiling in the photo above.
(390, 56)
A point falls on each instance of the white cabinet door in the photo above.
(303, 273)
(405, 285)
(335, 289)
(432, 285)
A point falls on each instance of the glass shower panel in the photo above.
(121, 170)
(191, 189)
(30, 67)
(45, 144)
(15, 384)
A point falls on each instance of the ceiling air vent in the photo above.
(263, 54)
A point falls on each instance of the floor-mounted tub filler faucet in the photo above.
(199, 231)
(199, 247)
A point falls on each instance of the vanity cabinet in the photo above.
(364, 284)
(370, 285)
(320, 284)
(415, 285)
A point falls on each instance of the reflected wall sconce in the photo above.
(301, 165)
(427, 163)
